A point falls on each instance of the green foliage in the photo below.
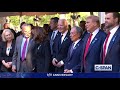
(28, 19)
(45, 19)
(14, 20)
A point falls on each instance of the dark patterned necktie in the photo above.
(71, 49)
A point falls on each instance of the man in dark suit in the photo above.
(55, 33)
(75, 50)
(21, 61)
(53, 37)
(61, 46)
(93, 42)
(111, 46)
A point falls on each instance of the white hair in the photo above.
(3, 34)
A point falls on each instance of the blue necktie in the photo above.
(51, 42)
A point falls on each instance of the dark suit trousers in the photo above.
(59, 70)
(23, 66)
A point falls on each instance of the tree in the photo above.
(45, 19)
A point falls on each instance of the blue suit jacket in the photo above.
(93, 55)
(74, 59)
(113, 53)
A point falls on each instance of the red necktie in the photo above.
(104, 47)
(87, 47)
(24, 49)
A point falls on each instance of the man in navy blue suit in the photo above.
(92, 45)
(111, 46)
(61, 46)
(74, 52)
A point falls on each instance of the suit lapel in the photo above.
(93, 43)
(84, 44)
(12, 47)
(20, 43)
(69, 51)
(64, 40)
(75, 48)
(114, 38)
(95, 39)
(29, 44)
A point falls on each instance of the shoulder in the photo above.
(46, 41)
(13, 42)
(19, 38)
(102, 33)
(2, 44)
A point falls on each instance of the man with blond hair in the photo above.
(92, 45)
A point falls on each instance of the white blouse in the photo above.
(8, 51)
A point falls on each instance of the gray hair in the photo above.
(79, 30)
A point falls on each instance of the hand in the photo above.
(6, 65)
(54, 61)
(69, 71)
(9, 63)
(65, 71)
(13, 69)
(59, 64)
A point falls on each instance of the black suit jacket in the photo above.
(61, 53)
(41, 56)
(52, 67)
(3, 55)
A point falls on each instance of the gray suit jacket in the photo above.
(17, 54)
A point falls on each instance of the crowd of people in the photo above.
(58, 47)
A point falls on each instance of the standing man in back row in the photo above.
(53, 37)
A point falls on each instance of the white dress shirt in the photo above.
(94, 34)
(64, 34)
(55, 33)
(112, 31)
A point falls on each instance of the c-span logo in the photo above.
(103, 67)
